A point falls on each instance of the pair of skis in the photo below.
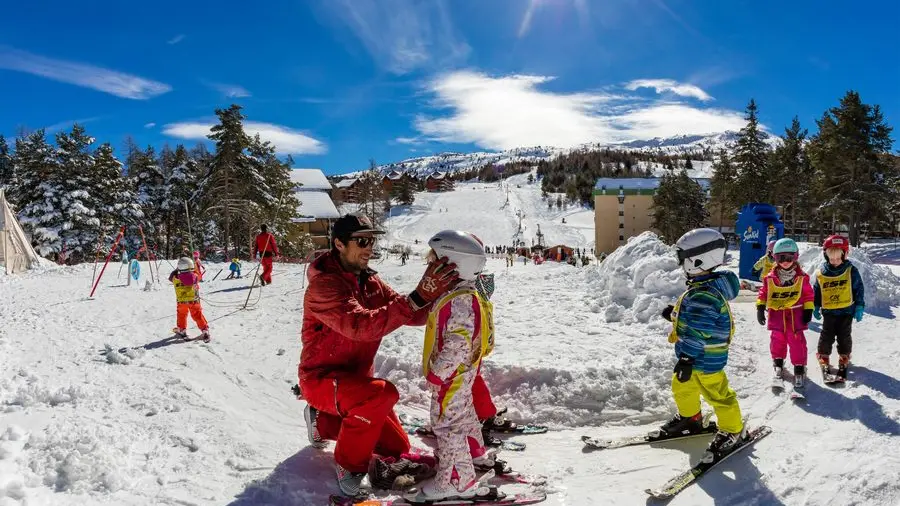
(688, 476)
(520, 499)
(796, 393)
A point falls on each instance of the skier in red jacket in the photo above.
(347, 311)
(266, 248)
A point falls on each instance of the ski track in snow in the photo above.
(97, 406)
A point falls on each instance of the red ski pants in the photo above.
(358, 413)
(196, 313)
(795, 341)
(267, 269)
(481, 398)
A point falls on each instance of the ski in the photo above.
(830, 378)
(797, 396)
(684, 479)
(655, 436)
(520, 499)
(418, 427)
(777, 384)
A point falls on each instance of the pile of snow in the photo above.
(637, 281)
(882, 285)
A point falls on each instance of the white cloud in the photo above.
(409, 140)
(511, 111)
(286, 140)
(403, 35)
(150, 125)
(229, 90)
(176, 39)
(81, 74)
(664, 85)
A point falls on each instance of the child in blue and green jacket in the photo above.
(839, 297)
(702, 327)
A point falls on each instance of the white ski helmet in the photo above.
(461, 248)
(185, 264)
(701, 249)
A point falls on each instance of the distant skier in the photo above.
(702, 327)
(187, 296)
(839, 298)
(766, 263)
(267, 250)
(235, 268)
(788, 297)
(199, 270)
(458, 334)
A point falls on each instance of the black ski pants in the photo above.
(836, 326)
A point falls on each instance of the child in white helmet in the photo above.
(458, 334)
(702, 327)
(187, 296)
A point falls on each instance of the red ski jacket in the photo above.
(263, 248)
(345, 317)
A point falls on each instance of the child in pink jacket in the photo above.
(787, 295)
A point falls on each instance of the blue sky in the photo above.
(337, 82)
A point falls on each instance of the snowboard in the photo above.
(655, 436)
(520, 499)
(689, 476)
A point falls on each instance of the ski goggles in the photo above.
(785, 257)
(684, 254)
(364, 242)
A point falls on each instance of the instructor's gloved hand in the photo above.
(859, 313)
(667, 312)
(684, 368)
(807, 316)
(439, 278)
(817, 314)
(761, 314)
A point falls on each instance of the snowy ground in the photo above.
(97, 407)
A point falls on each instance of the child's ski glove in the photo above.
(859, 313)
(761, 314)
(817, 313)
(807, 315)
(684, 368)
(667, 312)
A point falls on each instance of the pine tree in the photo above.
(724, 186)
(275, 199)
(405, 190)
(231, 177)
(36, 194)
(848, 154)
(371, 193)
(792, 175)
(149, 183)
(118, 203)
(77, 199)
(751, 159)
(678, 205)
(6, 165)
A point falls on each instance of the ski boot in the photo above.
(843, 364)
(431, 491)
(498, 423)
(778, 364)
(724, 443)
(799, 376)
(488, 461)
(349, 482)
(312, 432)
(397, 474)
(681, 426)
(180, 333)
(824, 364)
(205, 336)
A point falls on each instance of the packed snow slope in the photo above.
(99, 407)
(493, 212)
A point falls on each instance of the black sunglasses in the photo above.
(363, 242)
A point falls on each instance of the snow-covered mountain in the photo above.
(682, 145)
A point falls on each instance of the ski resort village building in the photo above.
(316, 211)
(623, 208)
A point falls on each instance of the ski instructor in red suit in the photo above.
(267, 249)
(347, 311)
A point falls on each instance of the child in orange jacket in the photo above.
(187, 295)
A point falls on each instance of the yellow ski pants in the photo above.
(715, 390)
